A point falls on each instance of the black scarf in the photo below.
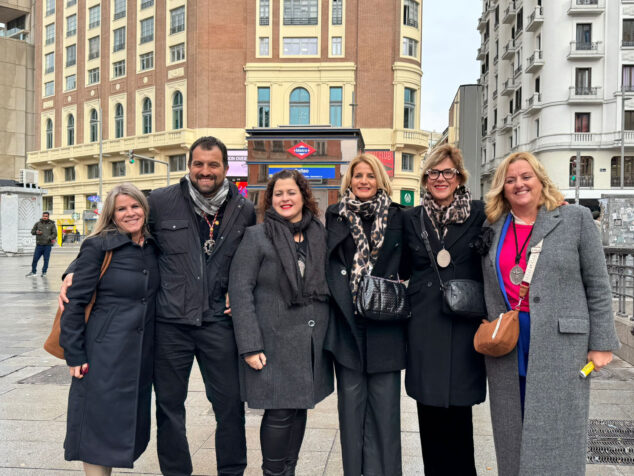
(298, 291)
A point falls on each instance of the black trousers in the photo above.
(446, 436)
(369, 422)
(213, 344)
(281, 436)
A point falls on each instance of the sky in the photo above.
(449, 49)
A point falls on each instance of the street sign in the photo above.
(93, 198)
(75, 216)
(312, 172)
(301, 150)
(407, 198)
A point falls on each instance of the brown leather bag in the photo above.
(52, 341)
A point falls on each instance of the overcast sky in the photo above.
(450, 44)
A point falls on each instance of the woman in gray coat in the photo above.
(279, 301)
(539, 402)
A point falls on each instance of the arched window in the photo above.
(300, 107)
(70, 130)
(94, 126)
(582, 172)
(49, 134)
(147, 116)
(118, 121)
(177, 111)
(615, 169)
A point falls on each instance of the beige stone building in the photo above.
(153, 76)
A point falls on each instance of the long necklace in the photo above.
(208, 246)
(443, 258)
(517, 273)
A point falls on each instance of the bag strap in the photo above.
(104, 267)
(530, 269)
(425, 237)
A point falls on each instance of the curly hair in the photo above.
(304, 187)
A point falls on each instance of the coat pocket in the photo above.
(173, 236)
(573, 326)
(105, 325)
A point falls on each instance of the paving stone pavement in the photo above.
(33, 393)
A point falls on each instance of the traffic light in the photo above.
(131, 156)
(573, 169)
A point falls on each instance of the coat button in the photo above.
(536, 299)
(429, 284)
(343, 272)
(145, 271)
(391, 276)
(173, 226)
(311, 323)
(143, 300)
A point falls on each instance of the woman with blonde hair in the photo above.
(364, 237)
(539, 402)
(110, 356)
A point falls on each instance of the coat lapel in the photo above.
(497, 230)
(546, 222)
(454, 232)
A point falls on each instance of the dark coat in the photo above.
(192, 283)
(298, 373)
(49, 232)
(372, 347)
(443, 369)
(108, 420)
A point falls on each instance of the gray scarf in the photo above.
(204, 205)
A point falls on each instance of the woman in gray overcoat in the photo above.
(279, 302)
(539, 402)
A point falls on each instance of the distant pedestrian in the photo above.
(45, 233)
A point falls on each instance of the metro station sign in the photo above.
(301, 150)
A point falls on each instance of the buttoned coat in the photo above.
(571, 313)
(298, 373)
(381, 348)
(443, 368)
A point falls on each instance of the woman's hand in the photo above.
(67, 283)
(600, 358)
(256, 361)
(79, 371)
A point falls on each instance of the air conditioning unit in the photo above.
(28, 178)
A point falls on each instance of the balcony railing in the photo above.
(535, 62)
(509, 50)
(118, 15)
(585, 49)
(408, 21)
(146, 39)
(509, 13)
(584, 93)
(535, 19)
(146, 4)
(585, 7)
(509, 87)
(517, 71)
(584, 181)
(300, 21)
(534, 103)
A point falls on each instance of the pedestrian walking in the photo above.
(111, 356)
(279, 303)
(539, 402)
(364, 236)
(444, 374)
(45, 233)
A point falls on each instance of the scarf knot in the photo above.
(207, 205)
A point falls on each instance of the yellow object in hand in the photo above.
(587, 370)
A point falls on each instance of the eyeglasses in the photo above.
(433, 174)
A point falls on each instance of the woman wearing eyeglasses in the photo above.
(444, 374)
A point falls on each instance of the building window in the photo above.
(264, 107)
(118, 69)
(177, 53)
(69, 203)
(70, 130)
(177, 110)
(337, 12)
(119, 39)
(628, 77)
(147, 30)
(536, 127)
(94, 16)
(409, 108)
(48, 178)
(300, 46)
(93, 47)
(410, 47)
(50, 34)
(584, 36)
(147, 61)
(410, 13)
(94, 126)
(264, 12)
(336, 46)
(177, 162)
(71, 82)
(49, 88)
(147, 167)
(119, 9)
(583, 81)
(615, 171)
(69, 174)
(70, 3)
(92, 171)
(582, 172)
(118, 121)
(71, 25)
(264, 46)
(47, 203)
(299, 107)
(147, 117)
(50, 7)
(49, 134)
(93, 76)
(629, 120)
(519, 20)
(49, 63)
(146, 4)
(582, 122)
(71, 55)
(300, 12)
(407, 162)
(628, 32)
(177, 20)
(336, 106)
(518, 100)
(118, 168)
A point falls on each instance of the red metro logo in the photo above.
(301, 150)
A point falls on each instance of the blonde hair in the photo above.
(438, 155)
(105, 223)
(382, 180)
(496, 203)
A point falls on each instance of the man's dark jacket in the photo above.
(193, 285)
(48, 229)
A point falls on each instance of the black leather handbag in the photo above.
(380, 299)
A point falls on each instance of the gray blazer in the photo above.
(298, 373)
(571, 313)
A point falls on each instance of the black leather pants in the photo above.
(281, 436)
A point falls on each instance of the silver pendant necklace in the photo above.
(208, 246)
(516, 275)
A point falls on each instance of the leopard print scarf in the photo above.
(456, 212)
(353, 210)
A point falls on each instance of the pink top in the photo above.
(507, 261)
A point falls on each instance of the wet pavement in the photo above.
(34, 388)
